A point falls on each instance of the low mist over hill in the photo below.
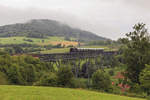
(44, 27)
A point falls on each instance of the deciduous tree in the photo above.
(136, 52)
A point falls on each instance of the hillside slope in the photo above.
(51, 93)
(43, 27)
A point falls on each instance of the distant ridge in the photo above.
(41, 28)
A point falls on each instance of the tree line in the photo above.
(27, 70)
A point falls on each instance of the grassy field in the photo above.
(51, 93)
(19, 40)
(50, 40)
(55, 50)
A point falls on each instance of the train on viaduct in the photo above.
(76, 53)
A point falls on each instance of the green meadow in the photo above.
(54, 93)
(19, 40)
(55, 50)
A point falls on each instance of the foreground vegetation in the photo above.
(51, 93)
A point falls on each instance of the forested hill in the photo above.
(43, 28)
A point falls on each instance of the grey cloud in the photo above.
(108, 18)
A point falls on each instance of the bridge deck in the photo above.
(71, 56)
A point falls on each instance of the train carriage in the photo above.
(75, 50)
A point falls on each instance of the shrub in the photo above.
(136, 88)
(28, 73)
(29, 40)
(101, 80)
(78, 83)
(70, 46)
(111, 72)
(22, 70)
(142, 95)
(57, 46)
(116, 90)
(14, 75)
(48, 79)
(65, 76)
(148, 98)
(145, 79)
(3, 79)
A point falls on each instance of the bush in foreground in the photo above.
(101, 80)
(48, 79)
(145, 79)
(65, 76)
(3, 79)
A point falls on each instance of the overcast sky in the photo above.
(108, 18)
